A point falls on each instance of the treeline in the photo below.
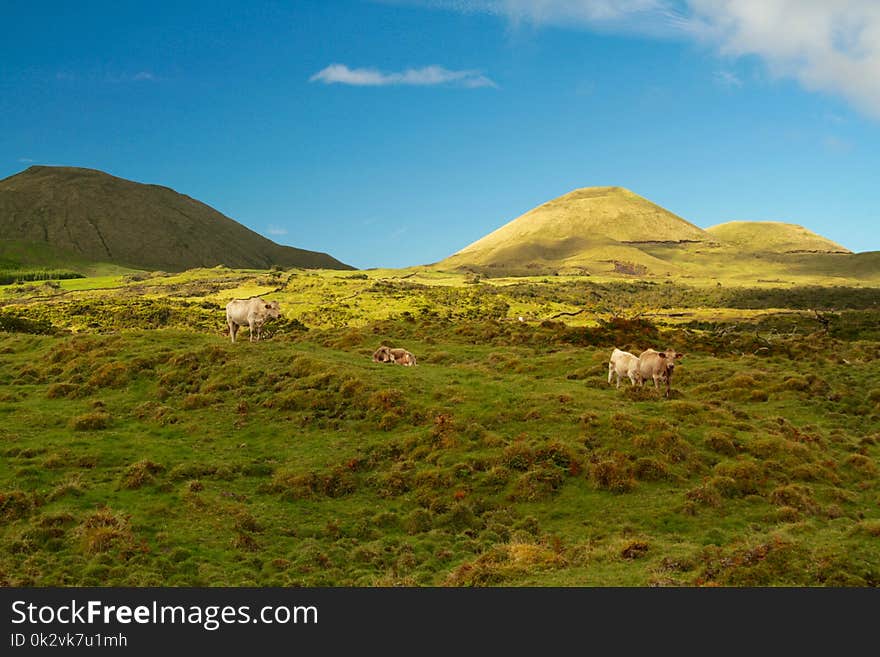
(11, 276)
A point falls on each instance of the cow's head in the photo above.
(273, 309)
(382, 355)
(670, 356)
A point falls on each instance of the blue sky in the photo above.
(395, 133)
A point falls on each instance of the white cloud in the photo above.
(144, 76)
(826, 45)
(830, 46)
(25, 160)
(276, 230)
(427, 76)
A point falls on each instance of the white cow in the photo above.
(657, 365)
(623, 363)
(252, 312)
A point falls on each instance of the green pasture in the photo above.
(138, 446)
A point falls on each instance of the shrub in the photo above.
(104, 530)
(93, 421)
(650, 469)
(746, 474)
(537, 484)
(613, 473)
(796, 496)
(140, 473)
(15, 504)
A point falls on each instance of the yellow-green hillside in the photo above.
(594, 227)
(774, 237)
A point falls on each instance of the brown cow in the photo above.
(382, 355)
(397, 356)
(657, 365)
(403, 357)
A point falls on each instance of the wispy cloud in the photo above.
(830, 46)
(727, 79)
(26, 160)
(649, 16)
(276, 230)
(140, 76)
(105, 77)
(427, 76)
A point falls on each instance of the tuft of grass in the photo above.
(92, 421)
(139, 473)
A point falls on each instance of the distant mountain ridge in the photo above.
(94, 216)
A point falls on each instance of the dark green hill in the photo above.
(95, 217)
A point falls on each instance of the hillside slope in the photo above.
(584, 227)
(773, 237)
(93, 216)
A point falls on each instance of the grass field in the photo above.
(139, 447)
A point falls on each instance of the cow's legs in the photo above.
(233, 329)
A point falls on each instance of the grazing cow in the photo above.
(623, 363)
(253, 312)
(657, 365)
(396, 356)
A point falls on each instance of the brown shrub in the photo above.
(336, 483)
(748, 475)
(110, 375)
(634, 550)
(104, 530)
(862, 464)
(15, 504)
(650, 469)
(705, 494)
(140, 473)
(93, 421)
(537, 484)
(796, 496)
(722, 443)
(613, 473)
(58, 390)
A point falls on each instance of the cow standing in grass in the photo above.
(623, 363)
(657, 365)
(252, 312)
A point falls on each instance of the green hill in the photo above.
(610, 231)
(54, 215)
(773, 237)
(595, 227)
